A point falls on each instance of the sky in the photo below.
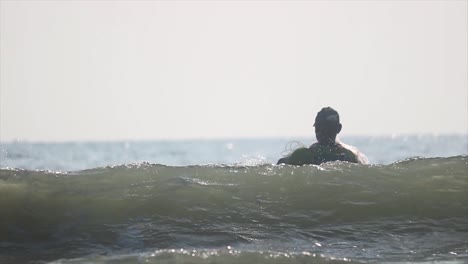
(156, 70)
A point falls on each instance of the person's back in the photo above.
(335, 152)
(327, 126)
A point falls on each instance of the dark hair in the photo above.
(327, 116)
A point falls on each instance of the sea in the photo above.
(226, 201)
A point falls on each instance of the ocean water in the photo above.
(224, 201)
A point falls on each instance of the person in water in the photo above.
(327, 148)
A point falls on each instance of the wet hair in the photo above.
(327, 117)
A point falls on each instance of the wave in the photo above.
(435, 186)
(227, 255)
(420, 204)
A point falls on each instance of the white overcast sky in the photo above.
(127, 70)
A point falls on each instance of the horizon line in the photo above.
(221, 138)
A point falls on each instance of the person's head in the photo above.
(327, 125)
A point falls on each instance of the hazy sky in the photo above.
(118, 70)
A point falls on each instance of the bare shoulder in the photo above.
(316, 145)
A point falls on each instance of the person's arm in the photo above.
(354, 155)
